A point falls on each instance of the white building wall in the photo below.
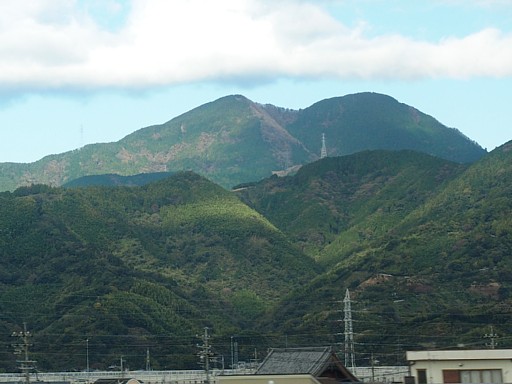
(434, 362)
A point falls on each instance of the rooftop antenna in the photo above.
(323, 151)
(349, 333)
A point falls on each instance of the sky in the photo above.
(75, 72)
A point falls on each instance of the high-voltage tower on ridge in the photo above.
(349, 333)
(323, 151)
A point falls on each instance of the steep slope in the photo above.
(230, 139)
(463, 227)
(137, 268)
(234, 140)
(470, 220)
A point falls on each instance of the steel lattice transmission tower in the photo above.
(205, 354)
(323, 151)
(21, 349)
(349, 333)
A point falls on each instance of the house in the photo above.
(318, 365)
(490, 366)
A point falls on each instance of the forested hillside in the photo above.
(136, 268)
(422, 244)
(428, 264)
(348, 201)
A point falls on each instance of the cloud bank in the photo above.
(61, 44)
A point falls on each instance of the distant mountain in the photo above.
(234, 140)
(367, 121)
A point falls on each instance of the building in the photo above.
(117, 381)
(490, 366)
(297, 366)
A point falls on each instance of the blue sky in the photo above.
(74, 72)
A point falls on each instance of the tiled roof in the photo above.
(117, 381)
(295, 361)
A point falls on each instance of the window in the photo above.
(451, 376)
(422, 376)
(474, 376)
(488, 376)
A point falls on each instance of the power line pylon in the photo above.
(323, 151)
(349, 333)
(21, 348)
(492, 336)
(205, 354)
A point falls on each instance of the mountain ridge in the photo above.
(234, 140)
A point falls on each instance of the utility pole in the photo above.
(121, 362)
(236, 354)
(21, 348)
(148, 365)
(87, 360)
(232, 354)
(373, 362)
(349, 333)
(205, 354)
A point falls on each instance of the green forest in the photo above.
(423, 244)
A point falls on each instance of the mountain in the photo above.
(367, 121)
(421, 243)
(234, 140)
(427, 258)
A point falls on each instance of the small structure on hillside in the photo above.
(298, 366)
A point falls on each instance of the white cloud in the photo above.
(47, 44)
